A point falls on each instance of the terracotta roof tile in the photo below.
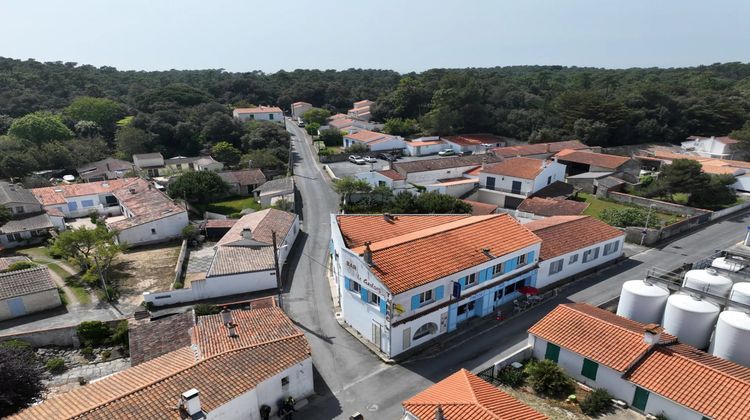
(369, 137)
(241, 259)
(550, 207)
(218, 223)
(437, 164)
(464, 396)
(563, 234)
(151, 339)
(56, 195)
(357, 229)
(244, 177)
(25, 282)
(479, 209)
(590, 158)
(145, 202)
(423, 143)
(538, 148)
(390, 173)
(257, 110)
(475, 139)
(261, 224)
(519, 167)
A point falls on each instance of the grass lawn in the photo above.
(232, 205)
(37, 252)
(597, 206)
(82, 294)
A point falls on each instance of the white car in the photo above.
(356, 159)
(370, 159)
(446, 152)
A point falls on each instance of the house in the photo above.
(657, 156)
(538, 150)
(572, 245)
(275, 190)
(259, 113)
(244, 181)
(585, 161)
(109, 168)
(236, 363)
(641, 365)
(243, 260)
(552, 207)
(465, 396)
(29, 224)
(299, 108)
(509, 182)
(400, 286)
(154, 164)
(473, 143)
(424, 146)
(712, 147)
(480, 209)
(373, 141)
(361, 110)
(24, 292)
(386, 177)
(430, 171)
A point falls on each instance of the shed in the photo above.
(23, 292)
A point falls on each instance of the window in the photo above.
(425, 330)
(153, 231)
(590, 254)
(270, 116)
(510, 288)
(373, 299)
(490, 182)
(19, 209)
(381, 183)
(285, 382)
(467, 307)
(521, 260)
(589, 369)
(549, 180)
(573, 258)
(552, 352)
(497, 269)
(498, 294)
(556, 266)
(471, 279)
(87, 203)
(611, 248)
(14, 237)
(426, 297)
(355, 287)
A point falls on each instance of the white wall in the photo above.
(276, 117)
(742, 183)
(395, 143)
(397, 333)
(35, 302)
(26, 207)
(166, 228)
(454, 190)
(430, 177)
(423, 150)
(554, 171)
(298, 110)
(545, 279)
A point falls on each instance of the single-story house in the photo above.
(109, 168)
(481, 209)
(424, 146)
(244, 181)
(538, 150)
(299, 108)
(386, 177)
(509, 182)
(259, 113)
(552, 207)
(24, 292)
(361, 110)
(582, 161)
(154, 164)
(473, 143)
(374, 141)
(274, 190)
(723, 147)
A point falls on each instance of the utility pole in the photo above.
(101, 276)
(276, 267)
(645, 228)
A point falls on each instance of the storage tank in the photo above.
(732, 337)
(727, 264)
(690, 319)
(740, 293)
(709, 281)
(642, 301)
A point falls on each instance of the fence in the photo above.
(730, 210)
(489, 374)
(178, 269)
(61, 336)
(634, 234)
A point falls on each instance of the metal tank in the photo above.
(642, 301)
(727, 264)
(709, 281)
(690, 319)
(732, 337)
(740, 293)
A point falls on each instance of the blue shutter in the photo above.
(530, 258)
(439, 293)
(415, 302)
(347, 283)
(509, 265)
(382, 306)
(363, 294)
(488, 273)
(482, 276)
(462, 281)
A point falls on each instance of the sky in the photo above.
(401, 35)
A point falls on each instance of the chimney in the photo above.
(226, 316)
(439, 413)
(387, 217)
(247, 233)
(191, 402)
(652, 334)
(367, 255)
(232, 330)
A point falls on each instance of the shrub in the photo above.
(16, 344)
(21, 381)
(178, 284)
(661, 416)
(624, 217)
(106, 354)
(546, 378)
(87, 351)
(93, 333)
(511, 377)
(206, 309)
(599, 401)
(120, 335)
(190, 232)
(20, 265)
(357, 148)
(56, 365)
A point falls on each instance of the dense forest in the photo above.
(90, 112)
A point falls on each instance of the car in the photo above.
(388, 157)
(446, 152)
(300, 123)
(356, 159)
(370, 159)
(466, 153)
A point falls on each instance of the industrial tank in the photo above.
(727, 264)
(690, 319)
(740, 293)
(732, 337)
(709, 281)
(642, 301)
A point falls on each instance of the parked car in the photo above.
(370, 159)
(356, 159)
(446, 152)
(388, 157)
(300, 123)
(466, 153)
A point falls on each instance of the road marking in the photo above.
(364, 378)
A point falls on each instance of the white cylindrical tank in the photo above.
(690, 319)
(642, 302)
(740, 293)
(709, 281)
(732, 337)
(727, 264)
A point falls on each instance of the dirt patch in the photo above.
(146, 269)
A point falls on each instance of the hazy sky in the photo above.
(404, 35)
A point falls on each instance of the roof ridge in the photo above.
(573, 308)
(705, 365)
(25, 270)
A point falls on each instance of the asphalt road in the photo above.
(349, 378)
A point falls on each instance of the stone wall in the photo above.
(62, 336)
(658, 205)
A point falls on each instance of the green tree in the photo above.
(102, 111)
(131, 140)
(262, 159)
(220, 127)
(316, 115)
(224, 152)
(5, 214)
(5, 122)
(331, 137)
(54, 155)
(547, 378)
(400, 127)
(21, 377)
(80, 244)
(264, 134)
(17, 164)
(312, 128)
(433, 202)
(682, 176)
(597, 402)
(87, 129)
(714, 194)
(198, 187)
(40, 128)
(20, 265)
(348, 185)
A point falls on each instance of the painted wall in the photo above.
(299, 109)
(553, 172)
(164, 229)
(22, 208)
(454, 190)
(431, 177)
(394, 143)
(571, 269)
(276, 117)
(35, 302)
(415, 149)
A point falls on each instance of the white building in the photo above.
(24, 292)
(387, 178)
(259, 113)
(509, 182)
(361, 110)
(639, 364)
(275, 190)
(29, 224)
(572, 245)
(299, 108)
(712, 147)
(373, 141)
(234, 364)
(424, 146)
(473, 143)
(400, 286)
(154, 164)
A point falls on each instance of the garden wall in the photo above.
(661, 206)
(61, 336)
(633, 234)
(341, 157)
(180, 266)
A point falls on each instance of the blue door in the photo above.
(16, 307)
(466, 311)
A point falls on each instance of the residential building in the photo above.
(572, 245)
(244, 181)
(547, 207)
(641, 365)
(109, 168)
(24, 292)
(481, 209)
(29, 224)
(424, 146)
(386, 177)
(235, 363)
(465, 396)
(361, 110)
(243, 261)
(723, 147)
(275, 190)
(400, 286)
(259, 113)
(585, 161)
(430, 171)
(538, 150)
(154, 164)
(473, 143)
(509, 182)
(656, 156)
(373, 141)
(299, 108)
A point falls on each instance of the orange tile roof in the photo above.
(423, 143)
(563, 234)
(596, 334)
(341, 123)
(538, 148)
(591, 158)
(518, 167)
(413, 259)
(465, 396)
(551, 207)
(262, 224)
(357, 229)
(390, 173)
(57, 194)
(367, 136)
(474, 139)
(478, 209)
(257, 110)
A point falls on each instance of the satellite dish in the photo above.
(69, 178)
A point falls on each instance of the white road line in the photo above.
(364, 378)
